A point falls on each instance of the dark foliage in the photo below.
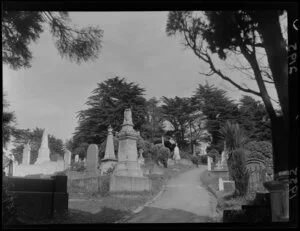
(21, 28)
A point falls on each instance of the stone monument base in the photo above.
(128, 168)
(105, 166)
(46, 168)
(129, 183)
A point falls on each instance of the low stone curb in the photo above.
(218, 211)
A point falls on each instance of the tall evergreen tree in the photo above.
(152, 129)
(8, 120)
(20, 28)
(178, 112)
(217, 108)
(106, 107)
(254, 119)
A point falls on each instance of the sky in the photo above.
(135, 46)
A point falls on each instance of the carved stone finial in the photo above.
(127, 116)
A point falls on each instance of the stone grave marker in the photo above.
(92, 158)
(26, 154)
(257, 170)
(67, 159)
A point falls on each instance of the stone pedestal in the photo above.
(128, 175)
(279, 190)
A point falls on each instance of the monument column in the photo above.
(128, 175)
(44, 152)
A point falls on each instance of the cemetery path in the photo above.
(184, 199)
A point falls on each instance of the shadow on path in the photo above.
(158, 215)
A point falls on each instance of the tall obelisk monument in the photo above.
(44, 152)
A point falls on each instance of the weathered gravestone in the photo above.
(67, 159)
(76, 158)
(26, 154)
(257, 170)
(92, 158)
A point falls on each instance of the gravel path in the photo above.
(184, 200)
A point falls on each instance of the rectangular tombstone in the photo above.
(67, 159)
(92, 158)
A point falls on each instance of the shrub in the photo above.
(261, 149)
(160, 154)
(239, 173)
(185, 155)
(147, 149)
(234, 136)
(213, 153)
(79, 167)
(203, 159)
(199, 160)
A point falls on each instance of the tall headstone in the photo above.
(109, 149)
(44, 152)
(128, 175)
(257, 170)
(26, 154)
(76, 158)
(92, 158)
(163, 140)
(67, 159)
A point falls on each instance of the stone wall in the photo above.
(39, 198)
(87, 182)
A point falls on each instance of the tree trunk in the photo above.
(269, 28)
(280, 138)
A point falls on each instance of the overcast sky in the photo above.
(135, 46)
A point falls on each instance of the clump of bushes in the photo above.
(185, 155)
(199, 159)
(160, 154)
(79, 167)
(239, 173)
(147, 150)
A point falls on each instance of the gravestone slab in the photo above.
(67, 159)
(92, 158)
(257, 170)
(26, 154)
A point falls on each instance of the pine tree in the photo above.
(106, 107)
